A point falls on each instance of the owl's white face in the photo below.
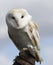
(18, 18)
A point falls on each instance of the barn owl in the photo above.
(23, 31)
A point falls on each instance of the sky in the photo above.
(42, 13)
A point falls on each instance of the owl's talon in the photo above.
(24, 49)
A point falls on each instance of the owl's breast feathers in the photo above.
(20, 38)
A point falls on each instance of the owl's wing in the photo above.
(32, 31)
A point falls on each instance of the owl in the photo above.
(23, 31)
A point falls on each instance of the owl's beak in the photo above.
(17, 23)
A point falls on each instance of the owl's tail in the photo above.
(36, 54)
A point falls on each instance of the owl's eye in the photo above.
(13, 17)
(22, 16)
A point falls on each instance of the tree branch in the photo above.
(25, 58)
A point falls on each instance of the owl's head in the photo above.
(18, 18)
